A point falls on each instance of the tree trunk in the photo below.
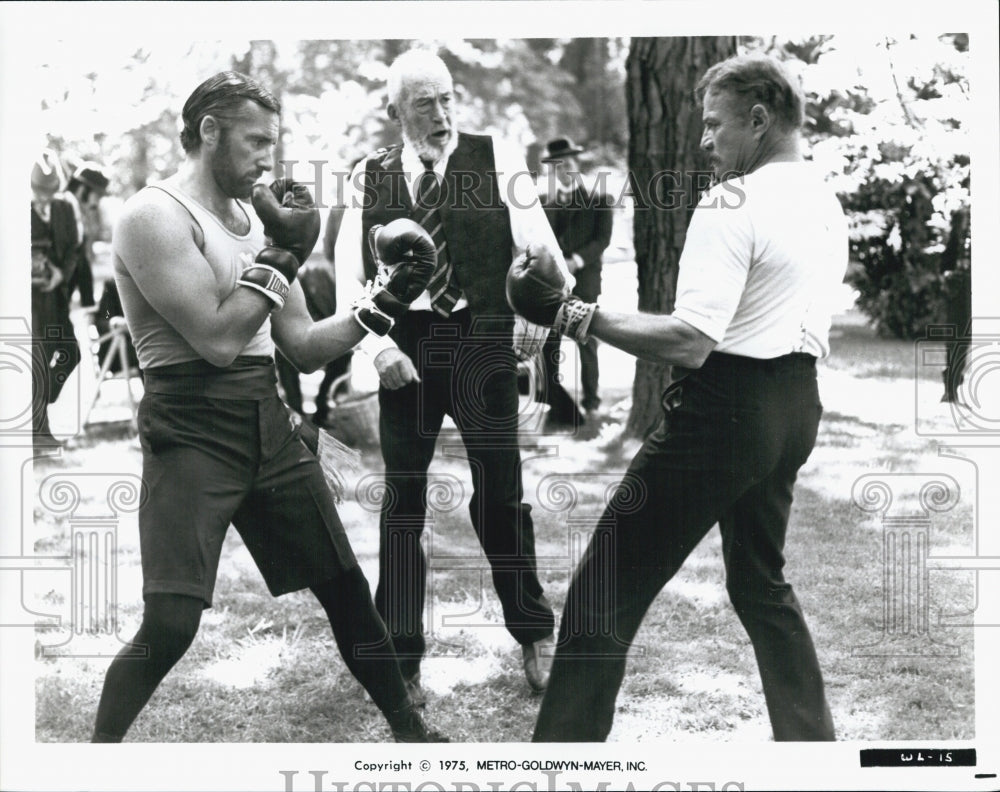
(667, 174)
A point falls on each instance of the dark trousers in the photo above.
(82, 279)
(474, 380)
(562, 407)
(589, 374)
(55, 352)
(553, 393)
(733, 437)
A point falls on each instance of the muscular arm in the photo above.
(307, 344)
(155, 243)
(655, 337)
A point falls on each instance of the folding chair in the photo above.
(115, 362)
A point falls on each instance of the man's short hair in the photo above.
(416, 62)
(758, 79)
(221, 97)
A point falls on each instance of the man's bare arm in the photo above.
(307, 344)
(154, 241)
(656, 337)
(537, 290)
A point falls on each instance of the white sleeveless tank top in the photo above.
(156, 341)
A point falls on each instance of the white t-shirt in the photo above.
(763, 256)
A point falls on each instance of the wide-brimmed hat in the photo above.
(559, 148)
(92, 175)
(46, 174)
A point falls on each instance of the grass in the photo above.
(266, 670)
(863, 353)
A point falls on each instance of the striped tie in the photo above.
(444, 292)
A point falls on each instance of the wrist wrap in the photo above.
(268, 281)
(573, 319)
(368, 315)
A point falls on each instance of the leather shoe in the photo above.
(537, 660)
(408, 727)
(551, 426)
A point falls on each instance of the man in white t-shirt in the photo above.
(764, 248)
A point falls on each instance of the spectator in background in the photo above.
(86, 188)
(54, 241)
(581, 219)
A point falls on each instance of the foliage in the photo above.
(888, 119)
(123, 107)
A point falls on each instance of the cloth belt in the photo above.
(250, 377)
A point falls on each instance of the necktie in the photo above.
(444, 292)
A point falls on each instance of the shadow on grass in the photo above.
(266, 670)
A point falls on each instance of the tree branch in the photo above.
(910, 118)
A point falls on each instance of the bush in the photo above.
(902, 253)
(898, 157)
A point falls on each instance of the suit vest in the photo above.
(476, 222)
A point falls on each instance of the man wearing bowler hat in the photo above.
(581, 219)
(86, 188)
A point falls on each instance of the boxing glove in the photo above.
(405, 257)
(271, 274)
(291, 220)
(537, 290)
(292, 226)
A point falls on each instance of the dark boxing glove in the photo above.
(537, 290)
(292, 226)
(291, 220)
(406, 254)
(406, 257)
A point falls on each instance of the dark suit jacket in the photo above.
(57, 238)
(582, 225)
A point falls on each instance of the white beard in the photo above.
(427, 151)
